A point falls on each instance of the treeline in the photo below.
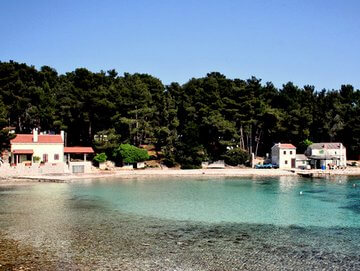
(199, 120)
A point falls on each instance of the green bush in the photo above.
(130, 154)
(36, 159)
(236, 157)
(100, 157)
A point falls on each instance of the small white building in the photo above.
(48, 148)
(324, 155)
(302, 161)
(76, 159)
(283, 155)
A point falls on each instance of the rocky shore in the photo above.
(17, 256)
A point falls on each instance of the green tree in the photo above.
(236, 156)
(100, 158)
(130, 154)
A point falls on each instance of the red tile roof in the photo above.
(286, 146)
(78, 150)
(28, 138)
(22, 151)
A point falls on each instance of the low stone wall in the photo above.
(33, 169)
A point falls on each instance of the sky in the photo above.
(308, 42)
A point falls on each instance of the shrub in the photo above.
(36, 159)
(130, 154)
(100, 157)
(236, 157)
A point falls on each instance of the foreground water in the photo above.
(191, 224)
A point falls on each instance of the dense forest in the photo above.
(197, 121)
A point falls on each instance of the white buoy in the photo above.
(301, 192)
(354, 185)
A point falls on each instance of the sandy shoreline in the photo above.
(152, 173)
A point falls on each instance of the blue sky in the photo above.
(314, 42)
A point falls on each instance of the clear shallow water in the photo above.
(191, 224)
(284, 201)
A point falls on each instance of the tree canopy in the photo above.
(130, 154)
(190, 123)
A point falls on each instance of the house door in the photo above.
(293, 163)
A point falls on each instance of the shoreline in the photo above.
(152, 173)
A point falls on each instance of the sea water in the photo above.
(283, 201)
(191, 224)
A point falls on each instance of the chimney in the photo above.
(62, 135)
(35, 135)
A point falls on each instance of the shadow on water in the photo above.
(314, 191)
(354, 207)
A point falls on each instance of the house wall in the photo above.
(327, 151)
(341, 153)
(42, 148)
(286, 158)
(275, 155)
(283, 160)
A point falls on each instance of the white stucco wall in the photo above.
(340, 153)
(302, 163)
(283, 160)
(34, 169)
(42, 148)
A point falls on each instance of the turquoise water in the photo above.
(168, 224)
(284, 201)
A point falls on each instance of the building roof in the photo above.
(78, 150)
(301, 157)
(326, 145)
(285, 146)
(23, 151)
(28, 138)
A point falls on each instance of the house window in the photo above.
(290, 152)
(56, 157)
(45, 158)
(284, 152)
(286, 162)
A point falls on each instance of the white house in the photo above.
(49, 148)
(325, 154)
(283, 155)
(50, 151)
